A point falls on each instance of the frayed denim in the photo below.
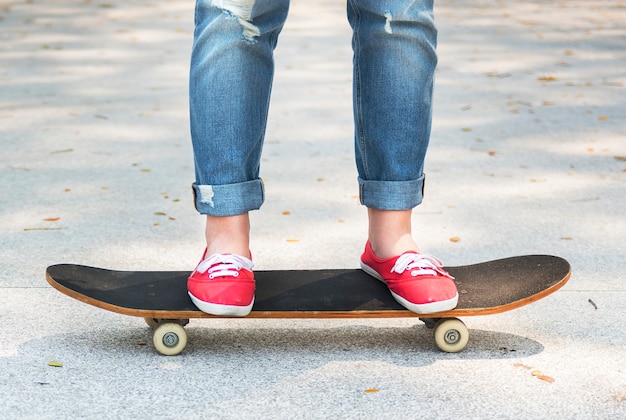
(231, 77)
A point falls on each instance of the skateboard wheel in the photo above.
(169, 338)
(451, 335)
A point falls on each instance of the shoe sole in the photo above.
(221, 310)
(418, 308)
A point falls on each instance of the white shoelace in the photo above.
(420, 265)
(222, 265)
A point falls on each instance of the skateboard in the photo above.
(161, 298)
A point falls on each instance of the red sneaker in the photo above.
(416, 281)
(223, 284)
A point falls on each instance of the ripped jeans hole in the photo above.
(388, 20)
(241, 11)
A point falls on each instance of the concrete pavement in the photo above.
(528, 156)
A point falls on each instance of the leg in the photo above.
(394, 63)
(390, 232)
(228, 235)
(229, 91)
(230, 82)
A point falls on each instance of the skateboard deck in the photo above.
(161, 298)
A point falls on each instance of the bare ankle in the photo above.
(228, 235)
(390, 232)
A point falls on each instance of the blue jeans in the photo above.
(230, 83)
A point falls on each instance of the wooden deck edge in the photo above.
(162, 314)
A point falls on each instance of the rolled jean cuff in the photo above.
(391, 195)
(230, 199)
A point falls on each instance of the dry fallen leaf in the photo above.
(548, 79)
(535, 372)
(55, 364)
(293, 240)
(455, 239)
(51, 219)
(523, 366)
(372, 390)
(286, 213)
(61, 151)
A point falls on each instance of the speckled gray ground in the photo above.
(527, 156)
